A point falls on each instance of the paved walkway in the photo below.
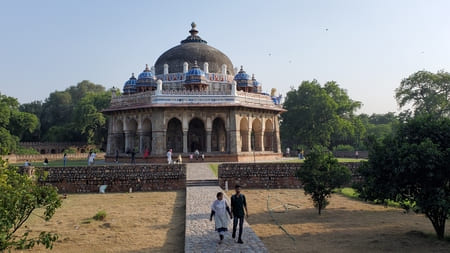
(199, 234)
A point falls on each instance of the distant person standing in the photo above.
(169, 156)
(203, 156)
(46, 161)
(89, 158)
(357, 154)
(117, 156)
(146, 154)
(133, 156)
(196, 153)
(238, 204)
(288, 152)
(65, 159)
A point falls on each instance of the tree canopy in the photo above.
(13, 124)
(321, 174)
(427, 92)
(319, 115)
(411, 166)
(20, 196)
(72, 115)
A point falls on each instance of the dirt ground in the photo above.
(136, 222)
(345, 225)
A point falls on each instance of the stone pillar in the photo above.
(208, 141)
(158, 142)
(111, 143)
(249, 140)
(185, 140)
(141, 142)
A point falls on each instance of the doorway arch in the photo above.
(174, 139)
(196, 135)
(218, 136)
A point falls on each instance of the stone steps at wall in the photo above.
(207, 182)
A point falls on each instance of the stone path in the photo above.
(199, 232)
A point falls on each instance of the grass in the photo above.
(341, 160)
(215, 168)
(349, 192)
(353, 194)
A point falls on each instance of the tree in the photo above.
(20, 196)
(320, 174)
(75, 114)
(13, 124)
(427, 92)
(411, 166)
(319, 116)
(89, 118)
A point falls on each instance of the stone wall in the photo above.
(119, 178)
(266, 175)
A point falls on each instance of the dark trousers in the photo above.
(241, 223)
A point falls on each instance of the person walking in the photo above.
(219, 210)
(196, 153)
(238, 204)
(169, 156)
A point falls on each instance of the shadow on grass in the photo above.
(175, 235)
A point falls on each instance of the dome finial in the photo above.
(132, 74)
(195, 64)
(242, 68)
(146, 67)
(193, 31)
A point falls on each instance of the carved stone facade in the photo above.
(223, 116)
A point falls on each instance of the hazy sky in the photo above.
(368, 47)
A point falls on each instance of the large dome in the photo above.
(192, 49)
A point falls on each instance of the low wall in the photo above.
(119, 178)
(267, 175)
(50, 157)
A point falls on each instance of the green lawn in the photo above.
(215, 168)
(342, 160)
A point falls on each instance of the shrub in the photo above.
(100, 215)
(25, 151)
(342, 147)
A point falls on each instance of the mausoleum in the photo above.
(194, 99)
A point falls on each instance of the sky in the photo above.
(367, 47)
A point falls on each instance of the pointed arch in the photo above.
(218, 136)
(174, 136)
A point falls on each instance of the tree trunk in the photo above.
(438, 222)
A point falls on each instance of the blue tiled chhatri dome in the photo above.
(146, 80)
(130, 85)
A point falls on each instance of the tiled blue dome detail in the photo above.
(146, 78)
(241, 75)
(130, 85)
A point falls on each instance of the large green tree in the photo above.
(412, 166)
(74, 114)
(426, 92)
(320, 174)
(13, 124)
(319, 115)
(20, 196)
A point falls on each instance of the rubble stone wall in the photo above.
(267, 175)
(118, 178)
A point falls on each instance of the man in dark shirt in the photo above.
(238, 204)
